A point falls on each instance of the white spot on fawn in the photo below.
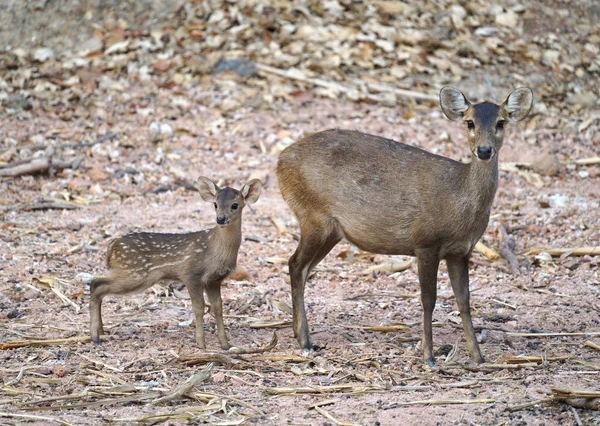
(169, 264)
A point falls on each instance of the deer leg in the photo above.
(213, 291)
(98, 289)
(458, 270)
(195, 291)
(316, 241)
(428, 269)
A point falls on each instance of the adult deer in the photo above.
(390, 198)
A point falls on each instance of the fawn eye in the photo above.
(234, 206)
(470, 124)
(500, 125)
(215, 204)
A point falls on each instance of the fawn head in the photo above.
(485, 121)
(228, 202)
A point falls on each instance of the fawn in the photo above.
(201, 260)
(390, 198)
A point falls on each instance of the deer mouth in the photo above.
(484, 153)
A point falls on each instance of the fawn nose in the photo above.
(484, 152)
(221, 220)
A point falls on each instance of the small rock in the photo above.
(59, 371)
(543, 258)
(18, 102)
(97, 173)
(572, 264)
(550, 57)
(594, 172)
(241, 66)
(162, 65)
(547, 165)
(507, 19)
(96, 190)
(166, 130)
(43, 54)
(444, 137)
(91, 45)
(84, 277)
(31, 294)
(44, 371)
(584, 99)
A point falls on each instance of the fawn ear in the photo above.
(454, 104)
(207, 188)
(251, 190)
(518, 104)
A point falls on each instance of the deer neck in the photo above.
(481, 181)
(230, 236)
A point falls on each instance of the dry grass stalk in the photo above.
(590, 400)
(591, 333)
(31, 417)
(281, 228)
(101, 402)
(270, 324)
(186, 386)
(231, 398)
(590, 344)
(94, 361)
(204, 358)
(534, 359)
(333, 419)
(443, 402)
(247, 351)
(50, 342)
(380, 328)
(390, 266)
(284, 358)
(486, 251)
(57, 398)
(518, 407)
(294, 390)
(579, 251)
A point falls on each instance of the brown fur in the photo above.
(390, 198)
(201, 260)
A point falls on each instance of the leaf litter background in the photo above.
(120, 108)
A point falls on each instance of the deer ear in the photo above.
(454, 104)
(518, 104)
(251, 190)
(207, 188)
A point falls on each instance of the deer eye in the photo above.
(234, 206)
(215, 204)
(500, 125)
(470, 124)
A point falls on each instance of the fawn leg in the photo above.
(458, 270)
(428, 269)
(213, 291)
(98, 289)
(316, 241)
(195, 291)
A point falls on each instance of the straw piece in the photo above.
(28, 416)
(244, 351)
(486, 251)
(579, 251)
(50, 342)
(186, 386)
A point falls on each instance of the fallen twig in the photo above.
(529, 404)
(37, 165)
(486, 251)
(592, 345)
(247, 351)
(390, 266)
(204, 358)
(293, 390)
(353, 92)
(50, 342)
(580, 251)
(440, 402)
(39, 205)
(591, 333)
(187, 386)
(380, 328)
(103, 138)
(328, 416)
(28, 416)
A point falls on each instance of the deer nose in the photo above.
(221, 220)
(484, 152)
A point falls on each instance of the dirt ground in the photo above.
(135, 146)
